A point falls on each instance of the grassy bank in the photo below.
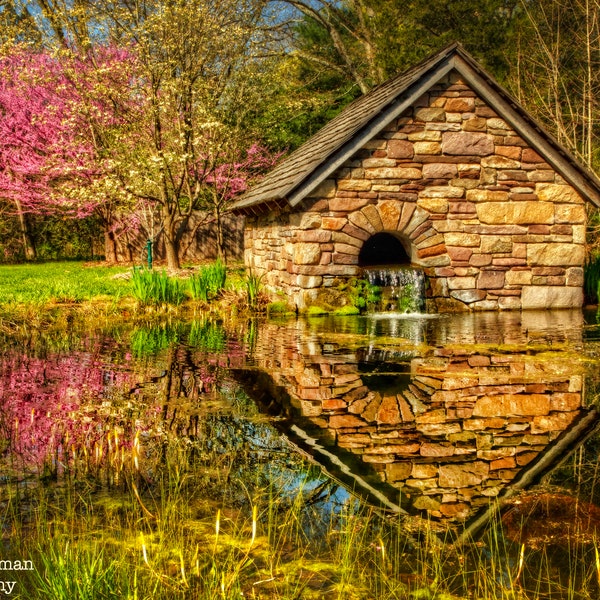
(42, 295)
(61, 282)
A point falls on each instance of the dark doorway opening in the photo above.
(383, 249)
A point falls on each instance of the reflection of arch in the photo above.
(384, 249)
(443, 432)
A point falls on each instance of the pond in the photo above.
(378, 456)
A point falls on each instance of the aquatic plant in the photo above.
(361, 293)
(207, 335)
(315, 311)
(68, 572)
(155, 288)
(253, 285)
(148, 341)
(281, 307)
(169, 484)
(347, 310)
(208, 282)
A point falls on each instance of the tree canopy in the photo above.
(149, 116)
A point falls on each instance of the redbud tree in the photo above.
(59, 114)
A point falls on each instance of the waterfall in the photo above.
(402, 287)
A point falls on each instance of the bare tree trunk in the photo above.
(172, 254)
(219, 235)
(171, 240)
(28, 241)
(110, 246)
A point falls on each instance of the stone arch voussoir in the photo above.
(411, 224)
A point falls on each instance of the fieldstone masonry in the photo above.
(490, 222)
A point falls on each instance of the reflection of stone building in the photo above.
(448, 429)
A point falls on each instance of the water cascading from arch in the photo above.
(386, 263)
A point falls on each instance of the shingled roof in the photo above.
(305, 168)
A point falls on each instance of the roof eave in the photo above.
(370, 130)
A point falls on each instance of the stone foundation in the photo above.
(490, 222)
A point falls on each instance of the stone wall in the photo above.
(490, 222)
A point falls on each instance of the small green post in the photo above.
(149, 253)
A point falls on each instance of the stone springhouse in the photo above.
(438, 168)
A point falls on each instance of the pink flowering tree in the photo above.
(225, 178)
(59, 116)
(141, 141)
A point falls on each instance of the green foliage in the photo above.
(316, 311)
(591, 279)
(488, 32)
(155, 288)
(58, 239)
(296, 105)
(54, 238)
(361, 293)
(406, 301)
(357, 45)
(208, 282)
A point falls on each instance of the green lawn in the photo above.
(60, 282)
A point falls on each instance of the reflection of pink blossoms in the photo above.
(51, 406)
(60, 409)
(230, 179)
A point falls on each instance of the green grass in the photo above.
(60, 282)
(27, 288)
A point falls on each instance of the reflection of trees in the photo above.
(208, 426)
(156, 415)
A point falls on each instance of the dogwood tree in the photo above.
(161, 129)
(190, 150)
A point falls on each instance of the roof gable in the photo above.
(308, 166)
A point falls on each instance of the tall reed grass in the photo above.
(169, 498)
(208, 282)
(166, 514)
(253, 285)
(155, 288)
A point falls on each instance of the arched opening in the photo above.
(383, 249)
(386, 264)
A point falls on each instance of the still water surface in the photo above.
(443, 418)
